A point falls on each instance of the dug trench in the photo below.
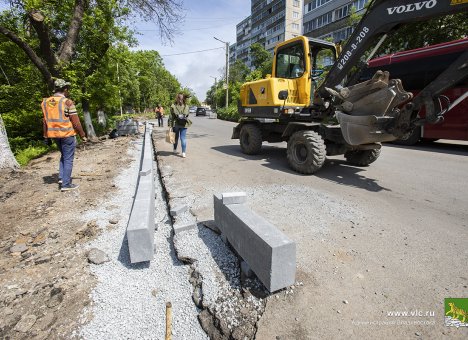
(236, 310)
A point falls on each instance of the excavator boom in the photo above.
(381, 17)
(373, 111)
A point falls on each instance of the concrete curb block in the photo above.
(140, 228)
(184, 221)
(234, 198)
(269, 253)
(178, 209)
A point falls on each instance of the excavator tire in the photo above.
(250, 139)
(362, 157)
(306, 152)
(412, 139)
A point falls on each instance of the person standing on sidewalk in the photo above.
(160, 115)
(61, 123)
(179, 122)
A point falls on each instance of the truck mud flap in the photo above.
(359, 130)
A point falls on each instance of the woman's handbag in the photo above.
(170, 136)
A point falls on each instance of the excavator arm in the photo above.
(371, 112)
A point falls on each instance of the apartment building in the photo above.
(274, 21)
(232, 53)
(243, 30)
(330, 18)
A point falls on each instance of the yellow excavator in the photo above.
(312, 99)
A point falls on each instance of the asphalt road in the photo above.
(391, 237)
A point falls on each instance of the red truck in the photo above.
(417, 68)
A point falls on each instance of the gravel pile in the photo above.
(129, 301)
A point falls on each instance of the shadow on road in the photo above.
(333, 170)
(440, 147)
(274, 156)
(191, 135)
(340, 172)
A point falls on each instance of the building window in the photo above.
(296, 3)
(295, 27)
(295, 15)
(342, 12)
(314, 4)
(359, 4)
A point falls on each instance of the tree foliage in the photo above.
(429, 32)
(83, 41)
(420, 33)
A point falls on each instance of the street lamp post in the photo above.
(227, 68)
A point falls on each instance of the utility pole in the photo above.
(213, 96)
(227, 69)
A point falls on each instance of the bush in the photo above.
(230, 114)
(25, 155)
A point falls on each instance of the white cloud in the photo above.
(204, 20)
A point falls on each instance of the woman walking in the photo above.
(179, 122)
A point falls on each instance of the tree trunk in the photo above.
(102, 118)
(87, 117)
(7, 159)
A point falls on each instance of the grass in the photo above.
(24, 156)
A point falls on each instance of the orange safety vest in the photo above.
(58, 124)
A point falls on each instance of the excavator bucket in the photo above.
(365, 108)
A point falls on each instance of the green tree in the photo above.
(259, 55)
(420, 33)
(261, 59)
(68, 39)
(429, 32)
(238, 71)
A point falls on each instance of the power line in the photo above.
(211, 49)
(208, 18)
(191, 29)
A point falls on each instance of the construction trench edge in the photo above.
(211, 320)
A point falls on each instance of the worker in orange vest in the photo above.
(61, 123)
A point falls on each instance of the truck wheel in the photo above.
(306, 152)
(250, 139)
(362, 157)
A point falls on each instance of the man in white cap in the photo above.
(61, 123)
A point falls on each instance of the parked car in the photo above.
(201, 111)
(192, 109)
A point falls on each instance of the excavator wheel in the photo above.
(412, 139)
(250, 139)
(306, 152)
(362, 157)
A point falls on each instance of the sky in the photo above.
(204, 19)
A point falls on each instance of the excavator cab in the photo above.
(304, 62)
(299, 67)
